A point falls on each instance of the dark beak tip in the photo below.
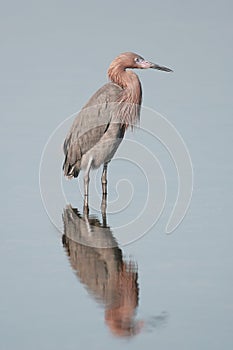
(162, 68)
(165, 69)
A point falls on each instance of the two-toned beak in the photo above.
(146, 64)
(156, 66)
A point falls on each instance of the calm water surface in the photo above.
(163, 290)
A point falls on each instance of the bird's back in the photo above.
(90, 125)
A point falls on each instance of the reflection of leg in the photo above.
(104, 179)
(103, 209)
(86, 182)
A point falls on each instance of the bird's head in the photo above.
(133, 60)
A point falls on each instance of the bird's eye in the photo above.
(138, 59)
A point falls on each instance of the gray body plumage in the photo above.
(96, 133)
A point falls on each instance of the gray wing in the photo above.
(89, 126)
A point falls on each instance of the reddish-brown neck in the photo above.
(128, 80)
(131, 97)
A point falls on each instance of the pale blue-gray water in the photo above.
(176, 291)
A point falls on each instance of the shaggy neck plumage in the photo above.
(131, 97)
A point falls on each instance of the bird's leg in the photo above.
(104, 219)
(104, 179)
(86, 185)
(86, 179)
(103, 208)
(85, 208)
(86, 188)
(86, 211)
(104, 191)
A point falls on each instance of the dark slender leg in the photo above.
(103, 208)
(85, 208)
(104, 192)
(86, 183)
(104, 179)
(86, 189)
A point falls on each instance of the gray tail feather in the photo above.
(71, 170)
(76, 171)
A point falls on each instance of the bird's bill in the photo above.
(156, 66)
(146, 64)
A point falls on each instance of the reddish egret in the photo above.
(99, 128)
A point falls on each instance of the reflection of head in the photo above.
(111, 280)
(123, 328)
(119, 316)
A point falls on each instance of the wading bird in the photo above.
(99, 128)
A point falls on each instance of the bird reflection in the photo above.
(99, 265)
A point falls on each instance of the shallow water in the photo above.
(178, 288)
(165, 291)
